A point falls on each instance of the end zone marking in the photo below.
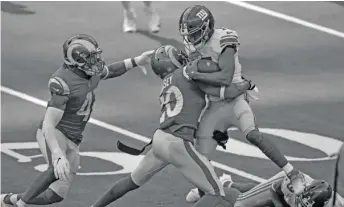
(287, 18)
(125, 132)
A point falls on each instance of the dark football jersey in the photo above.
(181, 104)
(80, 93)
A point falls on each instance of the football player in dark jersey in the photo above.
(68, 111)
(181, 103)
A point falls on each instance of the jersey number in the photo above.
(85, 109)
(165, 101)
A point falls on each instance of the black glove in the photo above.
(221, 138)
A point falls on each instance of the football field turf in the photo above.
(297, 66)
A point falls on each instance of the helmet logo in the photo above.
(202, 14)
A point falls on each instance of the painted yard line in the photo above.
(287, 18)
(125, 132)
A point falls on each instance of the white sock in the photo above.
(288, 168)
(14, 198)
(21, 203)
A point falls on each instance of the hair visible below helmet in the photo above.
(196, 25)
(82, 51)
(317, 194)
(167, 59)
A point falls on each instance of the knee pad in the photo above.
(254, 136)
(213, 201)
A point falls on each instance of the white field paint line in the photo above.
(287, 18)
(125, 132)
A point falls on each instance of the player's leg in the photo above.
(260, 195)
(246, 123)
(199, 171)
(213, 118)
(227, 182)
(194, 166)
(129, 22)
(147, 168)
(154, 22)
(43, 181)
(58, 190)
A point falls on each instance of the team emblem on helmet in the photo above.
(196, 25)
(82, 51)
(167, 59)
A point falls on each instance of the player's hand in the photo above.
(62, 168)
(191, 69)
(297, 180)
(252, 88)
(143, 60)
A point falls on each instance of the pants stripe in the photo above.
(258, 189)
(204, 168)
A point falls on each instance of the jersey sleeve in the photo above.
(58, 86)
(229, 38)
(59, 93)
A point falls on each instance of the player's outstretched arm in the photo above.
(223, 77)
(119, 68)
(225, 92)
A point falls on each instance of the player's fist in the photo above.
(62, 168)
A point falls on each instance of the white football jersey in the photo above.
(215, 46)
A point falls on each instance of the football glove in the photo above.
(62, 168)
(143, 60)
(221, 138)
(252, 87)
(297, 180)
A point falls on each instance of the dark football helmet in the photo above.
(317, 194)
(167, 59)
(82, 51)
(196, 25)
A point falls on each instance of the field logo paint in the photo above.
(129, 162)
(327, 145)
(126, 161)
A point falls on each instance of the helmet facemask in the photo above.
(196, 38)
(94, 63)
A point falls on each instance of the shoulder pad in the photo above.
(229, 38)
(58, 86)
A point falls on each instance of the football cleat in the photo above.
(226, 180)
(3, 204)
(129, 23)
(154, 22)
(193, 196)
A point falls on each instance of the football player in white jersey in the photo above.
(203, 41)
